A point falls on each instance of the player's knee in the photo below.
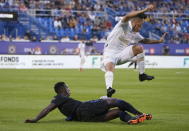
(111, 101)
(120, 104)
(137, 49)
(110, 67)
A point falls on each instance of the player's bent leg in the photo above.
(122, 105)
(109, 76)
(112, 114)
(125, 56)
(124, 116)
(138, 51)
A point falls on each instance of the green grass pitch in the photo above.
(23, 93)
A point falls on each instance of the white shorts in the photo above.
(118, 58)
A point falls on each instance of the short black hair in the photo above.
(142, 16)
(59, 85)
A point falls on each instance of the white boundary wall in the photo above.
(72, 62)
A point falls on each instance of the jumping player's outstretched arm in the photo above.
(135, 13)
(149, 41)
(42, 114)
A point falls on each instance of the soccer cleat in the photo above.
(143, 77)
(110, 92)
(133, 121)
(137, 119)
(142, 117)
(148, 116)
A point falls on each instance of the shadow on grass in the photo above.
(62, 121)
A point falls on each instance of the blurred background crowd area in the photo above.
(64, 20)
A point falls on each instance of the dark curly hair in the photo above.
(142, 16)
(59, 86)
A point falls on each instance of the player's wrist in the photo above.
(30, 121)
(35, 120)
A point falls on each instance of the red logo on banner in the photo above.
(152, 50)
(187, 51)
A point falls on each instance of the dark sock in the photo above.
(124, 116)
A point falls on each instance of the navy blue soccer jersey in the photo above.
(66, 105)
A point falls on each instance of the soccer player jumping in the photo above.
(121, 46)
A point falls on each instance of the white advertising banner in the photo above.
(73, 62)
(165, 62)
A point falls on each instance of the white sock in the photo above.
(141, 66)
(109, 76)
(140, 63)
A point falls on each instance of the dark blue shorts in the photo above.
(94, 110)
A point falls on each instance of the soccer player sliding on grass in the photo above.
(99, 110)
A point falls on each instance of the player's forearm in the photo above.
(133, 14)
(42, 114)
(149, 41)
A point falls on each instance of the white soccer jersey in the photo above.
(121, 36)
(81, 47)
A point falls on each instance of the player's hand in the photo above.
(150, 7)
(30, 121)
(162, 38)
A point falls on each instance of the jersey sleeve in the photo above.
(124, 25)
(58, 100)
(139, 38)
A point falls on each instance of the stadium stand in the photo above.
(91, 19)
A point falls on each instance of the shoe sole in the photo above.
(146, 79)
(133, 122)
